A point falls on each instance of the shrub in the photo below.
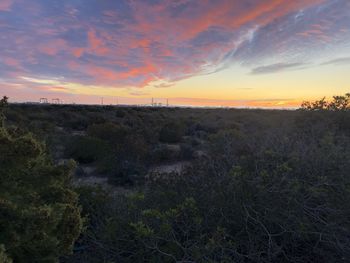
(171, 132)
(108, 131)
(127, 173)
(85, 149)
(164, 153)
(277, 194)
(39, 215)
(187, 151)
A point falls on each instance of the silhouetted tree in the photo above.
(338, 103)
(3, 104)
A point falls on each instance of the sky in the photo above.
(231, 53)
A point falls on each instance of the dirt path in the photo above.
(177, 167)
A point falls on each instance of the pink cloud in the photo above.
(78, 52)
(5, 5)
(53, 47)
(168, 41)
(188, 25)
(11, 62)
(101, 73)
(97, 44)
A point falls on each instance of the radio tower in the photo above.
(56, 101)
(43, 101)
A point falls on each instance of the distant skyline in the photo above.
(253, 53)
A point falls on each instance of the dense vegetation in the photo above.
(39, 214)
(257, 185)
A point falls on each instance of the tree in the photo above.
(39, 213)
(171, 132)
(3, 256)
(338, 103)
(3, 104)
(108, 131)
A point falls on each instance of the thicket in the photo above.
(263, 186)
(39, 213)
(272, 187)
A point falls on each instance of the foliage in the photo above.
(277, 194)
(108, 131)
(85, 149)
(260, 186)
(39, 214)
(338, 103)
(3, 104)
(4, 258)
(171, 132)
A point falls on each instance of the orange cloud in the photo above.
(78, 52)
(147, 69)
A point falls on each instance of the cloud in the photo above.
(305, 35)
(11, 62)
(138, 93)
(274, 68)
(163, 85)
(5, 5)
(123, 44)
(338, 61)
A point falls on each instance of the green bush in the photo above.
(39, 215)
(108, 131)
(277, 194)
(171, 133)
(127, 173)
(4, 258)
(164, 153)
(187, 151)
(85, 149)
(268, 186)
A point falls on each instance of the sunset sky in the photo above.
(251, 53)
